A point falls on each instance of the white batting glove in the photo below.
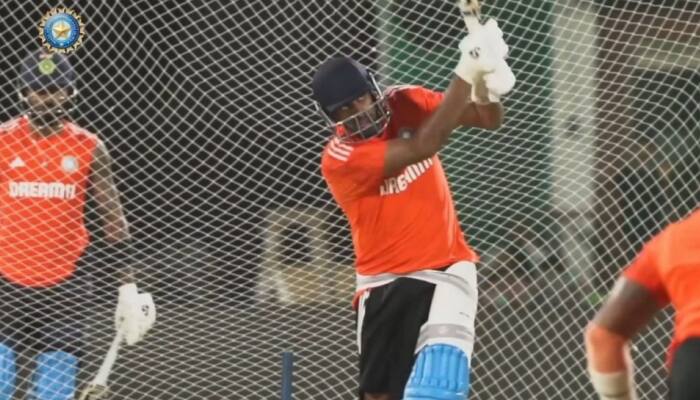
(135, 314)
(499, 82)
(494, 38)
(482, 50)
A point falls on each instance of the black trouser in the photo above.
(42, 319)
(393, 316)
(685, 371)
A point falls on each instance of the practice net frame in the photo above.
(205, 107)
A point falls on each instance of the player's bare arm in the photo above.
(109, 206)
(629, 308)
(488, 115)
(133, 308)
(107, 197)
(452, 113)
(433, 134)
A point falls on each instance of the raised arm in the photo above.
(482, 115)
(433, 134)
(482, 76)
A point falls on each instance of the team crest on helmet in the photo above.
(61, 30)
(47, 66)
(69, 164)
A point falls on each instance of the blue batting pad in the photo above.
(441, 372)
(55, 376)
(8, 372)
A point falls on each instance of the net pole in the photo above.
(287, 369)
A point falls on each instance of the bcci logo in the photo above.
(61, 30)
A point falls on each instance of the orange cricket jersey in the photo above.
(669, 266)
(406, 222)
(42, 201)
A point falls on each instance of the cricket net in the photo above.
(205, 107)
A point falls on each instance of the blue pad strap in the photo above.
(8, 372)
(55, 376)
(441, 372)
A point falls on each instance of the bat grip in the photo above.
(472, 22)
(110, 358)
(471, 12)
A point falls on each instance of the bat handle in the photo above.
(472, 22)
(110, 358)
(471, 12)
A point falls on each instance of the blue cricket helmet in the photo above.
(47, 71)
(338, 82)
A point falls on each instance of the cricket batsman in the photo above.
(48, 166)
(416, 295)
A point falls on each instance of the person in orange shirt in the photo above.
(666, 272)
(416, 279)
(47, 167)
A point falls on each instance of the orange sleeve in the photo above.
(431, 100)
(354, 170)
(644, 270)
(420, 99)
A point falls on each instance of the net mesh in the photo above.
(205, 109)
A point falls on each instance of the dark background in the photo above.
(205, 108)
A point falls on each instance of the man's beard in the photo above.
(47, 119)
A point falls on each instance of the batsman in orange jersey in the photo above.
(666, 272)
(416, 293)
(48, 166)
